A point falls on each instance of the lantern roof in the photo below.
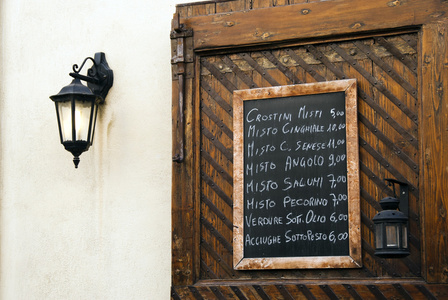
(75, 88)
(390, 216)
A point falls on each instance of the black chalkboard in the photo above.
(295, 198)
(295, 176)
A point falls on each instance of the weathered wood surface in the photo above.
(388, 141)
(402, 115)
(434, 145)
(311, 290)
(183, 209)
(315, 20)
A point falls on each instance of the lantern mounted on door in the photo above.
(77, 105)
(391, 224)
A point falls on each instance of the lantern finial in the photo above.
(76, 161)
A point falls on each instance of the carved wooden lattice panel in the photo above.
(386, 70)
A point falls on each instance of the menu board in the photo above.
(296, 197)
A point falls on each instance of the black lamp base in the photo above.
(76, 148)
(392, 253)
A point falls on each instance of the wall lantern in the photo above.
(391, 224)
(77, 105)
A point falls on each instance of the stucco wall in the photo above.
(101, 231)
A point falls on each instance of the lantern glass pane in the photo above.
(405, 236)
(65, 118)
(392, 235)
(82, 119)
(379, 236)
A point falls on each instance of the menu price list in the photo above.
(295, 177)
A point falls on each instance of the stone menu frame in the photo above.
(354, 259)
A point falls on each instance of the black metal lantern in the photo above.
(77, 105)
(391, 224)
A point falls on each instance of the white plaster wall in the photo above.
(101, 231)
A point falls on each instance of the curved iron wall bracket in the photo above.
(99, 77)
(404, 194)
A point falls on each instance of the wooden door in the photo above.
(400, 135)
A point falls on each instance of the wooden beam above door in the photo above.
(310, 21)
